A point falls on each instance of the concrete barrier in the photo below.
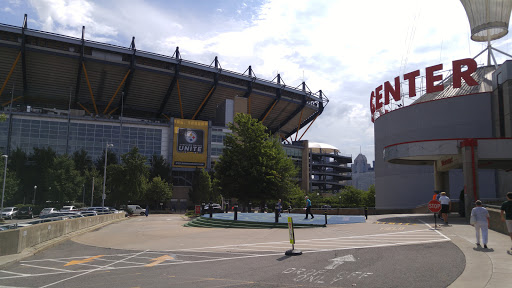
(15, 241)
(495, 221)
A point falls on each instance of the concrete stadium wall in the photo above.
(15, 241)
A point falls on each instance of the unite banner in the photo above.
(189, 144)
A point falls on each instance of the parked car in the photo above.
(47, 211)
(9, 212)
(216, 208)
(99, 210)
(88, 213)
(137, 210)
(68, 215)
(25, 212)
(68, 209)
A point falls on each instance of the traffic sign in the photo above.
(434, 206)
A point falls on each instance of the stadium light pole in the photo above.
(105, 176)
(3, 189)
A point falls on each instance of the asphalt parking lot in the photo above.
(158, 251)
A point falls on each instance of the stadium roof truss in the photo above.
(106, 80)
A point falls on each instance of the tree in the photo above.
(158, 191)
(201, 187)
(43, 160)
(98, 186)
(351, 197)
(111, 160)
(18, 165)
(82, 160)
(369, 197)
(11, 183)
(253, 166)
(65, 181)
(129, 180)
(160, 168)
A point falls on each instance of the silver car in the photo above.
(9, 212)
(47, 211)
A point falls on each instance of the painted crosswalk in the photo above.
(420, 236)
(78, 266)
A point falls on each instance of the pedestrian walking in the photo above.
(480, 220)
(279, 207)
(147, 210)
(446, 206)
(506, 214)
(308, 208)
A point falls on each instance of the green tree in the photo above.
(18, 164)
(253, 166)
(3, 117)
(351, 197)
(98, 187)
(369, 197)
(82, 160)
(11, 183)
(43, 160)
(158, 191)
(201, 187)
(160, 168)
(65, 181)
(129, 180)
(111, 160)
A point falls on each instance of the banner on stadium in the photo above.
(190, 143)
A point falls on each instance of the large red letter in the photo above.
(411, 77)
(388, 89)
(372, 106)
(378, 97)
(458, 74)
(431, 78)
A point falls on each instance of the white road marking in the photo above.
(51, 284)
(340, 260)
(307, 246)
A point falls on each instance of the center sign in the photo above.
(376, 101)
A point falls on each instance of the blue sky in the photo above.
(344, 48)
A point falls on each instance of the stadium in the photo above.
(72, 93)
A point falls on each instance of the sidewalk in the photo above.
(490, 267)
(485, 268)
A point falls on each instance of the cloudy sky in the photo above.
(344, 48)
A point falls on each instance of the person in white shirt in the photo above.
(446, 206)
(481, 218)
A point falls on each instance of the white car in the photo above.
(9, 212)
(47, 211)
(68, 209)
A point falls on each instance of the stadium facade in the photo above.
(71, 93)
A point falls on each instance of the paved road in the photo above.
(158, 252)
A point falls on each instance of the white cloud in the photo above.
(345, 48)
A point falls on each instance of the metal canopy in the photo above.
(488, 19)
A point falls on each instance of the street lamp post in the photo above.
(34, 200)
(3, 189)
(105, 176)
(83, 194)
